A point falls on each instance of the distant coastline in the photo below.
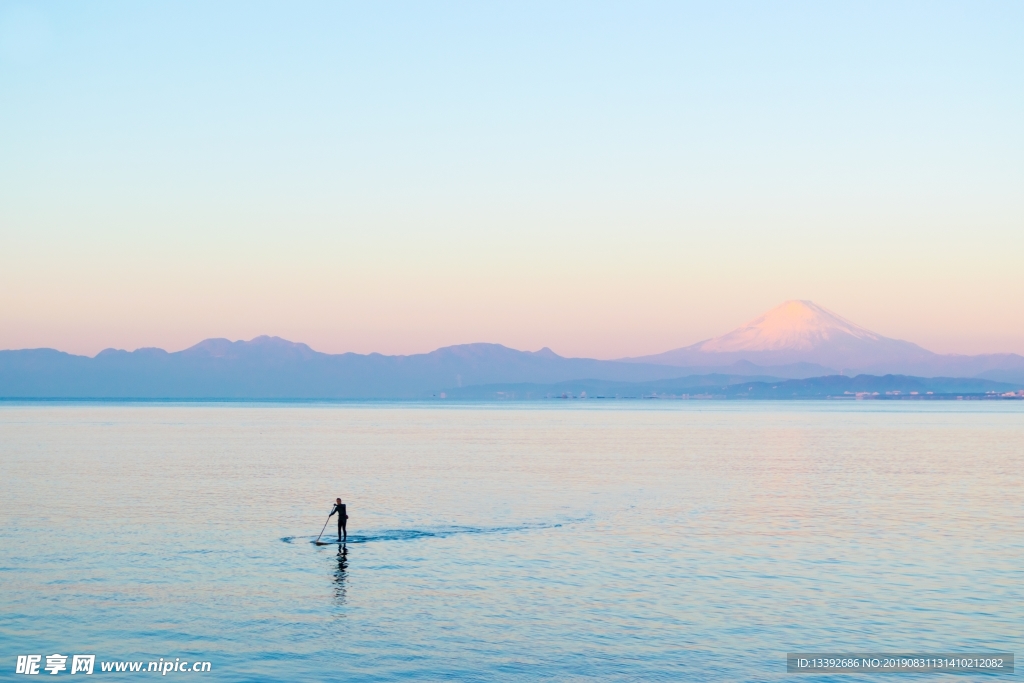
(798, 350)
(696, 387)
(274, 369)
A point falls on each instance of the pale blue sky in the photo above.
(605, 179)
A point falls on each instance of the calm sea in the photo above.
(583, 540)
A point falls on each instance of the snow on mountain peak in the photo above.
(794, 325)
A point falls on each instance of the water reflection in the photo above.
(339, 574)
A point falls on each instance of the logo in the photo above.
(55, 663)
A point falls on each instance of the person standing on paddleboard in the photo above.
(339, 507)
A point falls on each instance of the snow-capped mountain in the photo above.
(795, 325)
(804, 332)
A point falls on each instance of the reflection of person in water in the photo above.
(339, 507)
(339, 574)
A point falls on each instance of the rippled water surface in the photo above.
(617, 540)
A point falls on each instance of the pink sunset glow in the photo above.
(603, 197)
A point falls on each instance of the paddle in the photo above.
(317, 541)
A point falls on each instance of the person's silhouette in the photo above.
(339, 507)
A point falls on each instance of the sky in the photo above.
(604, 179)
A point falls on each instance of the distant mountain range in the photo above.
(797, 340)
(270, 367)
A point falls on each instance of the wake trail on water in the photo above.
(440, 532)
